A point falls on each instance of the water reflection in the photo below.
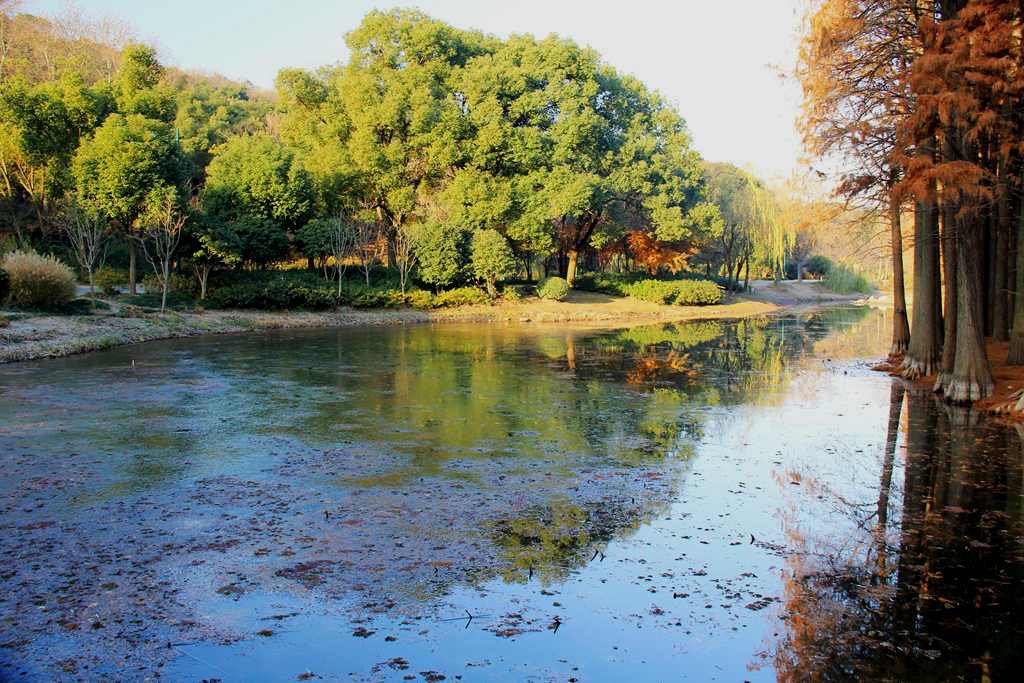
(383, 471)
(926, 586)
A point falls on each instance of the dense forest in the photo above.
(434, 157)
(920, 103)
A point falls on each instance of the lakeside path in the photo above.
(52, 336)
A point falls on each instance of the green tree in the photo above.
(40, 128)
(492, 258)
(124, 160)
(313, 121)
(576, 150)
(209, 244)
(208, 115)
(404, 118)
(443, 253)
(138, 85)
(313, 240)
(256, 176)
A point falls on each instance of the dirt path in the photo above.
(47, 336)
(794, 293)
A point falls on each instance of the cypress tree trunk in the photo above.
(986, 273)
(948, 295)
(1016, 356)
(900, 326)
(923, 354)
(1000, 306)
(940, 330)
(972, 378)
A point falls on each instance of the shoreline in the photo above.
(54, 336)
(1001, 404)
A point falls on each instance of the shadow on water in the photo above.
(502, 502)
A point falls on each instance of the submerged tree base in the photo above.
(914, 369)
(966, 390)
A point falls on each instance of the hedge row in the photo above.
(681, 292)
(678, 292)
(289, 293)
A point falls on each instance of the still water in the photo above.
(706, 501)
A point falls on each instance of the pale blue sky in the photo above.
(714, 60)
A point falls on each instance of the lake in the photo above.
(742, 500)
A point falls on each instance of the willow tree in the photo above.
(734, 192)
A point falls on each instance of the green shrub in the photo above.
(38, 281)
(842, 279)
(279, 292)
(553, 288)
(362, 296)
(513, 293)
(678, 292)
(697, 293)
(108, 279)
(819, 266)
(420, 299)
(461, 296)
(655, 291)
(5, 285)
(606, 283)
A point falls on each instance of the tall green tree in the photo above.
(123, 161)
(404, 118)
(255, 175)
(40, 129)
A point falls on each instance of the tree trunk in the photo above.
(900, 326)
(971, 379)
(166, 280)
(1016, 356)
(131, 267)
(986, 273)
(570, 268)
(949, 260)
(1000, 305)
(923, 353)
(746, 273)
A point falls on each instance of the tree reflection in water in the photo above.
(924, 590)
